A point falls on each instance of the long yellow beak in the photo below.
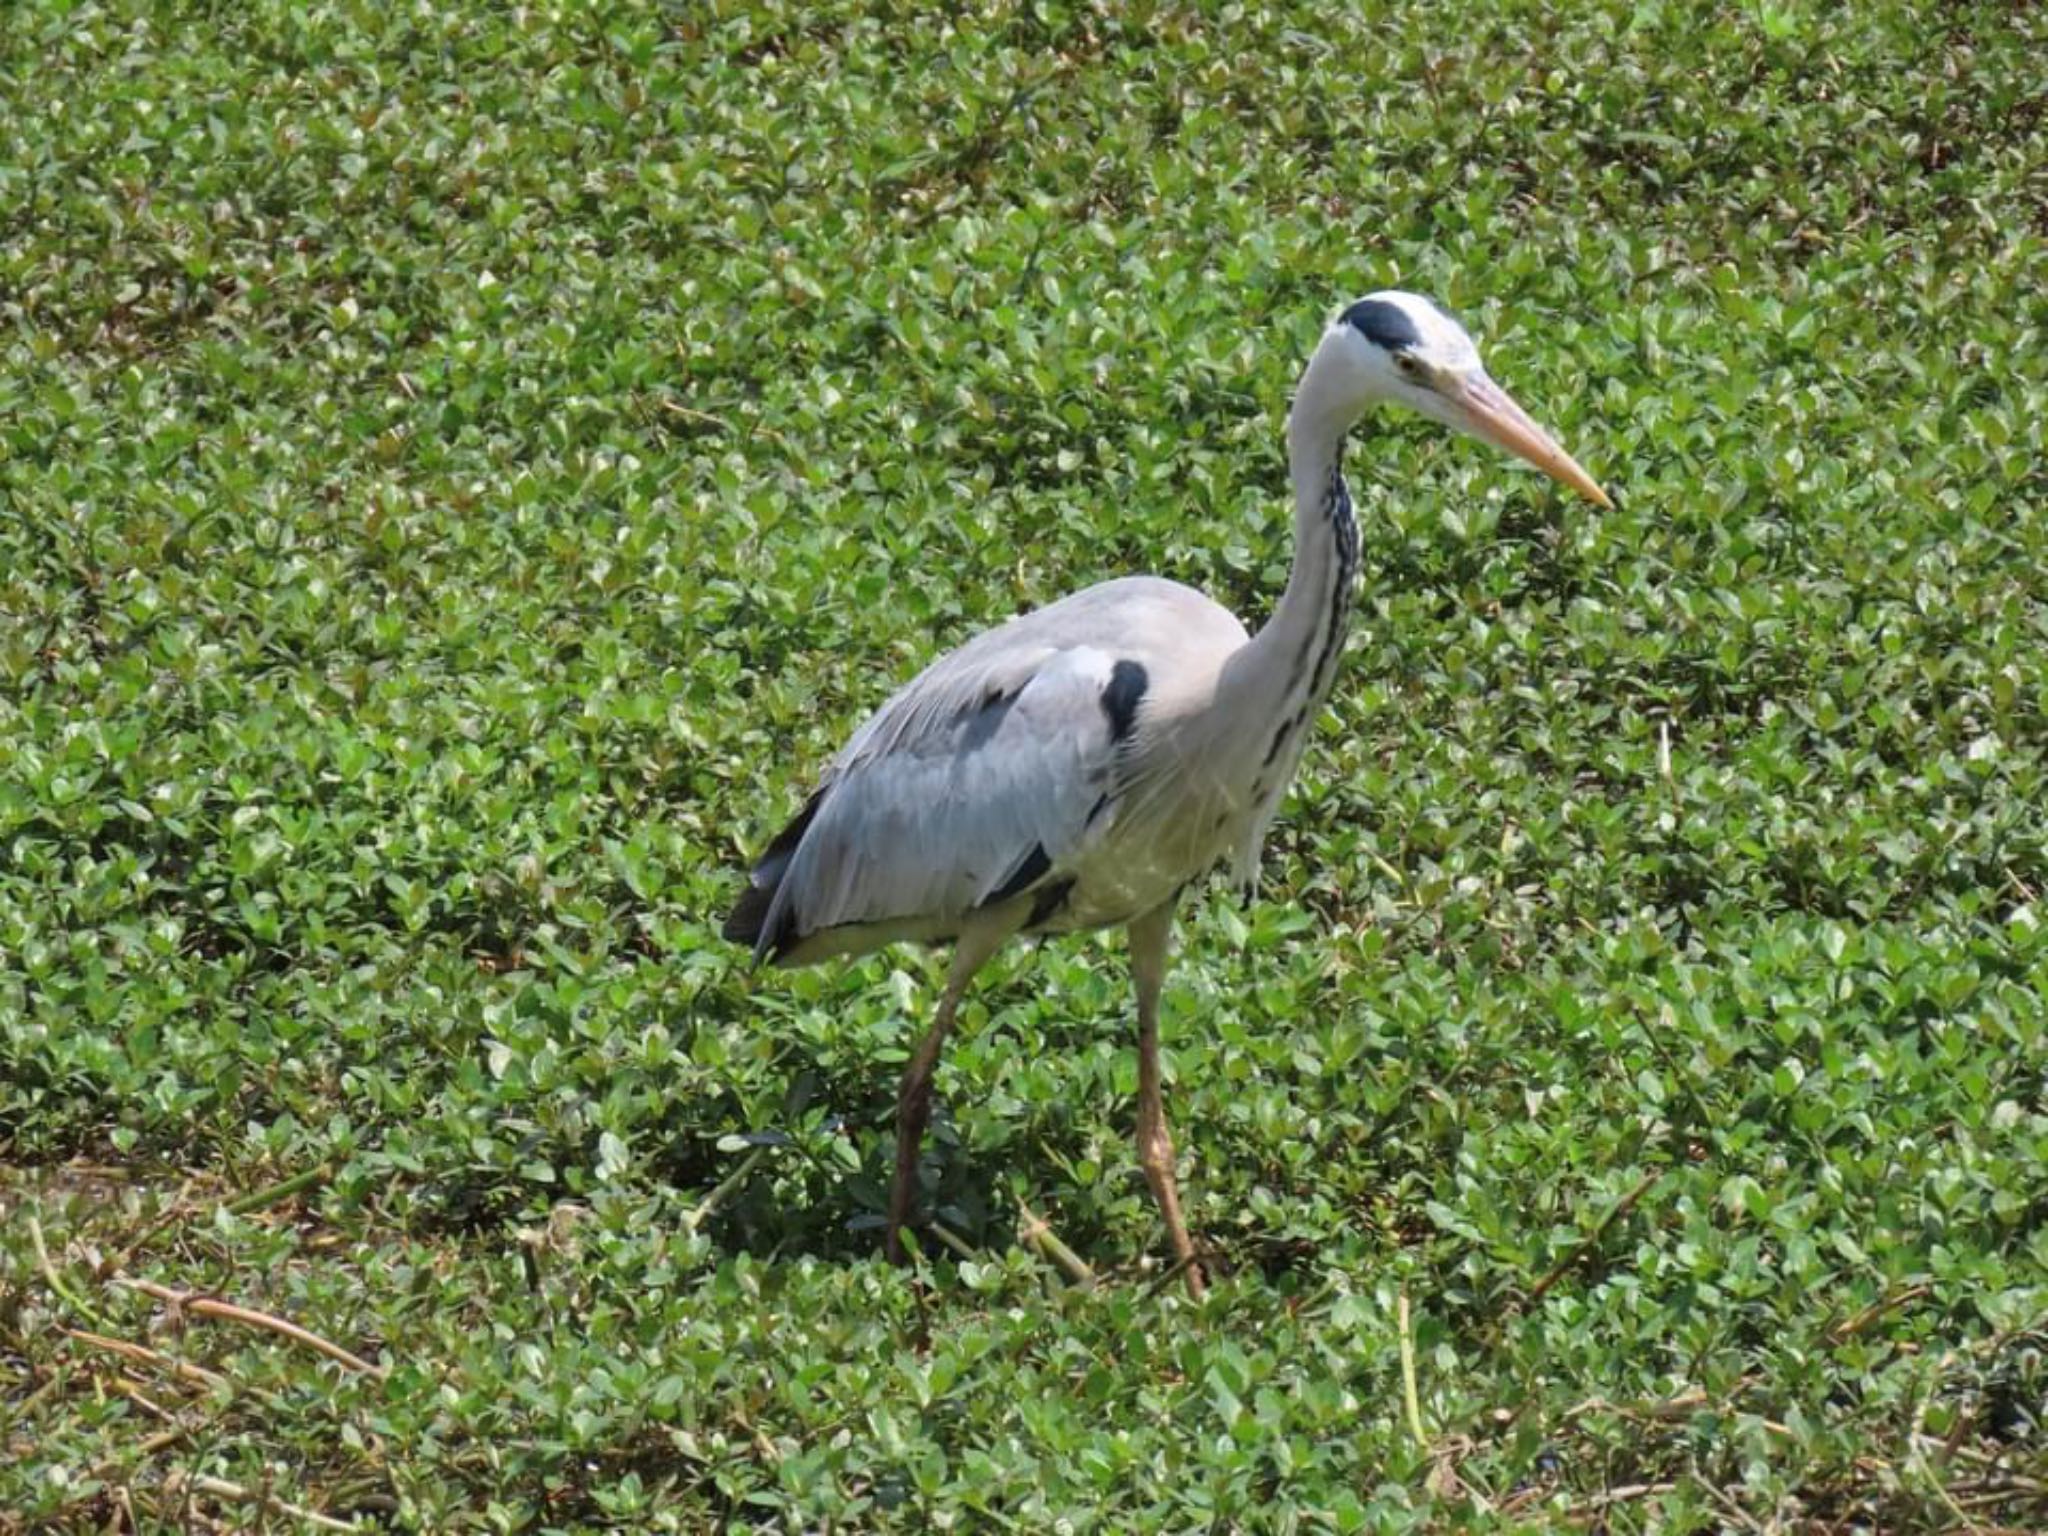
(1491, 414)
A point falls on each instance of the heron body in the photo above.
(1080, 765)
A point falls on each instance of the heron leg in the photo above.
(1150, 937)
(914, 1096)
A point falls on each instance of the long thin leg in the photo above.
(1150, 936)
(914, 1096)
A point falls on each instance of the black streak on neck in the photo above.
(1343, 528)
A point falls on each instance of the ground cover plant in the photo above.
(464, 467)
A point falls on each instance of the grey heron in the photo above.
(1078, 766)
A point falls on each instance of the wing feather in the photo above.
(987, 776)
(969, 787)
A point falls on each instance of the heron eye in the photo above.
(1409, 364)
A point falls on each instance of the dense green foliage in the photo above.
(465, 466)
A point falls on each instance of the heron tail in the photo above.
(758, 919)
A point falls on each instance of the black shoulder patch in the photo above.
(1023, 877)
(1120, 695)
(1046, 904)
(1384, 324)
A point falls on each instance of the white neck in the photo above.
(1316, 427)
(1312, 611)
(1273, 689)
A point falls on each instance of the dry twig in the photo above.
(221, 1488)
(1725, 1502)
(183, 1369)
(1627, 1493)
(132, 1390)
(170, 1215)
(1621, 1208)
(227, 1311)
(1854, 1324)
(1167, 1276)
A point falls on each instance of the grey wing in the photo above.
(976, 783)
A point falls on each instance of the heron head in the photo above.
(1400, 347)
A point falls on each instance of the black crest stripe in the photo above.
(1384, 324)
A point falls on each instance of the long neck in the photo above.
(1307, 628)
(1276, 685)
(1272, 689)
